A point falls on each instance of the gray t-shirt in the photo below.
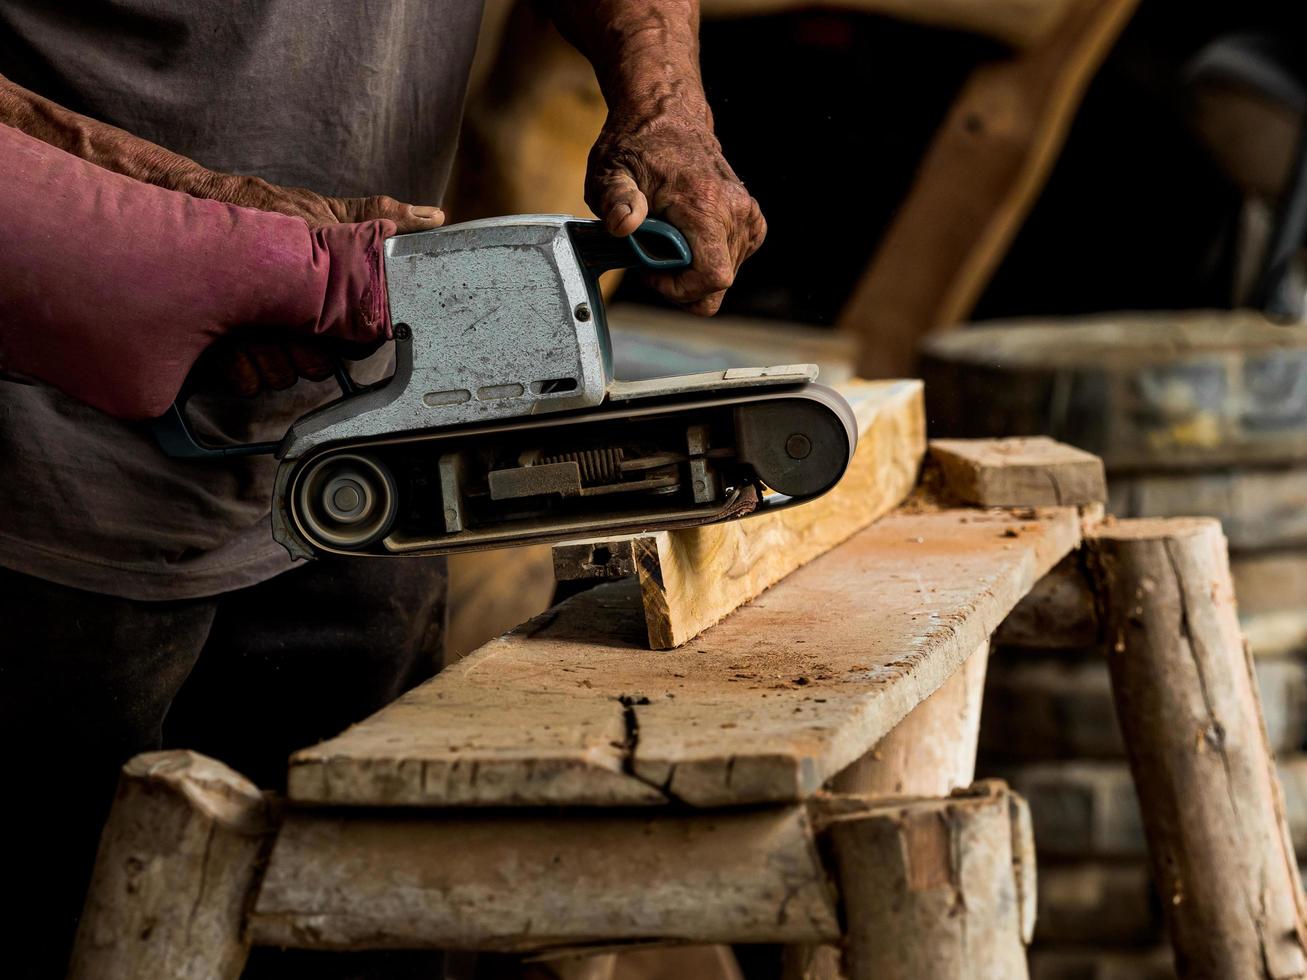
(342, 97)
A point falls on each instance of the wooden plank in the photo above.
(1195, 390)
(975, 186)
(1019, 23)
(179, 861)
(1022, 471)
(766, 706)
(530, 882)
(690, 579)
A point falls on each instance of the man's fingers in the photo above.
(407, 217)
(275, 367)
(622, 206)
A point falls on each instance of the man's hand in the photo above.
(674, 168)
(246, 368)
(316, 209)
(657, 153)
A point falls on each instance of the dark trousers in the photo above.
(87, 681)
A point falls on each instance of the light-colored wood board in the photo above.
(507, 882)
(1258, 507)
(1022, 471)
(178, 864)
(766, 706)
(1199, 390)
(976, 184)
(690, 579)
(1016, 22)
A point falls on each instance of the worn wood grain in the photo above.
(766, 706)
(932, 888)
(178, 864)
(518, 881)
(690, 579)
(1022, 471)
(974, 188)
(1212, 806)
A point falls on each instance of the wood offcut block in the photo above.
(1027, 471)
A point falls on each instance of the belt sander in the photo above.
(502, 423)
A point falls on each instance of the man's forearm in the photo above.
(645, 52)
(104, 145)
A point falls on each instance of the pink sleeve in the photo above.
(111, 288)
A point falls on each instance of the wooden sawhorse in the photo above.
(797, 774)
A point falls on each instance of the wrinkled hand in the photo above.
(671, 166)
(247, 368)
(319, 209)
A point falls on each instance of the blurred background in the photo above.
(1080, 218)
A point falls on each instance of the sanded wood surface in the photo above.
(1194, 390)
(1212, 806)
(974, 188)
(1023, 471)
(690, 579)
(766, 706)
(178, 864)
(504, 881)
(937, 887)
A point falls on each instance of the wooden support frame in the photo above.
(938, 872)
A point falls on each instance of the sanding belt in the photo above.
(110, 288)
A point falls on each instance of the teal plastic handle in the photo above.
(668, 239)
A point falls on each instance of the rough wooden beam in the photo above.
(1023, 471)
(975, 186)
(523, 881)
(1212, 805)
(766, 706)
(179, 862)
(690, 579)
(937, 888)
